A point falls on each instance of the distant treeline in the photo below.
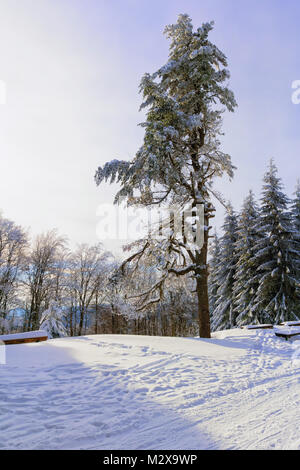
(254, 277)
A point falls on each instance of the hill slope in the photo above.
(239, 390)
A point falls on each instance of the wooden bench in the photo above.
(258, 327)
(286, 334)
(290, 323)
(21, 338)
(24, 340)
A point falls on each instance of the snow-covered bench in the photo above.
(258, 327)
(29, 337)
(290, 323)
(287, 333)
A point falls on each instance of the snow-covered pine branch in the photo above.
(52, 321)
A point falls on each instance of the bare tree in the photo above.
(41, 274)
(88, 268)
(13, 244)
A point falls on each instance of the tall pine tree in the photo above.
(215, 254)
(180, 157)
(276, 297)
(224, 315)
(295, 210)
(246, 282)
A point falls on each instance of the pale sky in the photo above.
(72, 70)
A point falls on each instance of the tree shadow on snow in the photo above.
(64, 403)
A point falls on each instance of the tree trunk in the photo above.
(202, 288)
(71, 321)
(82, 311)
(203, 309)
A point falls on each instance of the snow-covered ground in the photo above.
(240, 390)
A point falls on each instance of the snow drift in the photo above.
(239, 390)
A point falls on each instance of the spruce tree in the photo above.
(246, 282)
(276, 257)
(215, 254)
(224, 315)
(295, 210)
